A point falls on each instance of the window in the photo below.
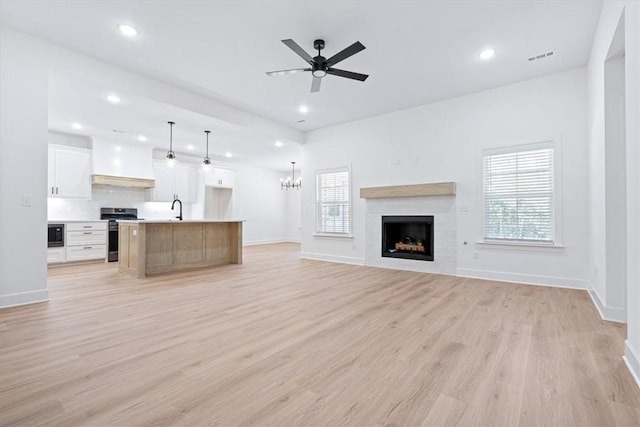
(519, 194)
(333, 202)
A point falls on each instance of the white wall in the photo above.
(26, 62)
(611, 13)
(258, 200)
(444, 142)
(107, 196)
(294, 215)
(23, 174)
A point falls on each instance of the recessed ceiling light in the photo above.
(303, 109)
(117, 148)
(228, 154)
(190, 147)
(279, 144)
(127, 30)
(142, 138)
(76, 126)
(487, 54)
(114, 99)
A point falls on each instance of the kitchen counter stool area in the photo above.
(158, 247)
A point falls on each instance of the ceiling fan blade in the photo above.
(315, 84)
(347, 74)
(297, 49)
(345, 53)
(283, 72)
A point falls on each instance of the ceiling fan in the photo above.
(321, 66)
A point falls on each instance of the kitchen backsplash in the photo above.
(104, 196)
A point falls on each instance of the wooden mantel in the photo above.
(433, 189)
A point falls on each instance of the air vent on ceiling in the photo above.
(118, 131)
(540, 56)
(301, 121)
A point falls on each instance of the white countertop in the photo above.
(175, 221)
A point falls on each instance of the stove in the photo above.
(113, 215)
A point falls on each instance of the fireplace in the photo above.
(408, 237)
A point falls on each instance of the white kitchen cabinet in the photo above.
(86, 252)
(171, 183)
(185, 179)
(69, 172)
(86, 241)
(219, 177)
(55, 255)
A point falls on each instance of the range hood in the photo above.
(122, 165)
(122, 181)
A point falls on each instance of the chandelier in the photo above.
(291, 182)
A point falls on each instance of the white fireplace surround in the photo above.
(443, 209)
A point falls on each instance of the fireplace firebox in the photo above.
(408, 237)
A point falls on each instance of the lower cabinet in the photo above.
(84, 253)
(56, 255)
(84, 241)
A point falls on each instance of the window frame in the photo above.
(317, 231)
(556, 212)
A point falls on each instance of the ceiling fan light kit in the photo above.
(321, 66)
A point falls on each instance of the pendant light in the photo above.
(291, 182)
(206, 163)
(171, 156)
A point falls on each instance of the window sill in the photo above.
(333, 236)
(520, 246)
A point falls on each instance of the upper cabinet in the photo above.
(219, 177)
(69, 172)
(173, 182)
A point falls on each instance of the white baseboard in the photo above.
(612, 314)
(23, 298)
(632, 360)
(527, 279)
(332, 258)
(263, 242)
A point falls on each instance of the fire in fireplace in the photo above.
(409, 237)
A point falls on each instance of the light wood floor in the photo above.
(283, 341)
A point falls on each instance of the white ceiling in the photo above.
(76, 101)
(417, 52)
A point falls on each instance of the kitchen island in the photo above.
(151, 247)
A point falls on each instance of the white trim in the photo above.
(334, 235)
(318, 172)
(518, 148)
(612, 314)
(264, 242)
(332, 258)
(632, 360)
(558, 206)
(525, 279)
(24, 298)
(524, 246)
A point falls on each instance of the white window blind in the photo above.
(518, 194)
(333, 202)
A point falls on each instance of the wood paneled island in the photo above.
(155, 247)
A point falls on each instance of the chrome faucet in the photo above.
(173, 204)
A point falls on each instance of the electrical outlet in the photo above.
(27, 200)
(476, 255)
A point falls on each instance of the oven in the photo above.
(56, 236)
(113, 215)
